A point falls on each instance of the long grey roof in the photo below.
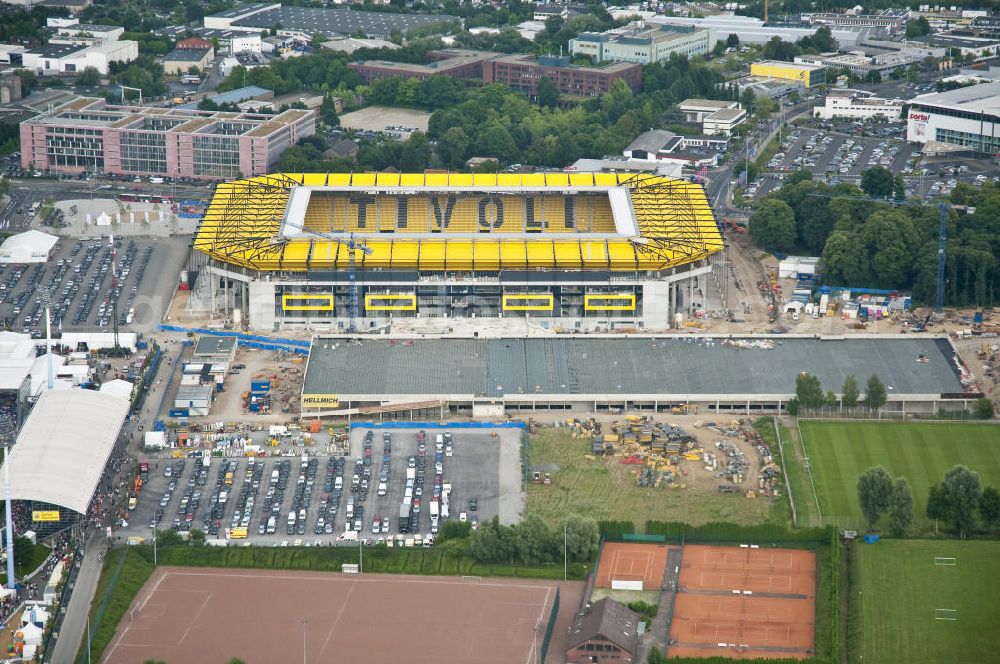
(64, 445)
(633, 365)
(337, 21)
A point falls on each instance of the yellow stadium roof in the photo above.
(438, 221)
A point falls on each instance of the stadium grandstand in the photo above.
(353, 251)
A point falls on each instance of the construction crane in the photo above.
(352, 246)
(942, 239)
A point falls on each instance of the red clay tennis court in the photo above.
(262, 616)
(624, 561)
(727, 568)
(744, 602)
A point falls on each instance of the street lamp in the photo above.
(304, 622)
(7, 435)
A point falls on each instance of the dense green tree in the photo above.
(453, 147)
(875, 490)
(452, 529)
(989, 508)
(900, 508)
(961, 491)
(772, 226)
(89, 76)
(874, 393)
(849, 392)
(546, 93)
(582, 538)
(918, 28)
(777, 49)
(328, 111)
(877, 181)
(808, 391)
(416, 153)
(983, 408)
(937, 505)
(733, 40)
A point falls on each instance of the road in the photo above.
(74, 626)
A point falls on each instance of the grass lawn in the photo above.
(840, 451)
(604, 489)
(898, 589)
(28, 564)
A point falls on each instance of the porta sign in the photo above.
(921, 117)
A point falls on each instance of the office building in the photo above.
(966, 118)
(90, 135)
(642, 43)
(522, 73)
(716, 117)
(809, 75)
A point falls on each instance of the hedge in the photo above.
(718, 532)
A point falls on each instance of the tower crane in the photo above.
(352, 246)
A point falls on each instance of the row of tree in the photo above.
(958, 501)
(809, 394)
(533, 542)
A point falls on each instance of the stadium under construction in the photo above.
(337, 252)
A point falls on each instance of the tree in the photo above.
(874, 493)
(989, 508)
(416, 153)
(900, 508)
(874, 393)
(877, 181)
(961, 491)
(983, 409)
(918, 28)
(655, 656)
(328, 111)
(937, 506)
(453, 147)
(22, 552)
(772, 226)
(89, 77)
(452, 529)
(546, 93)
(808, 391)
(849, 392)
(582, 537)
(197, 537)
(733, 40)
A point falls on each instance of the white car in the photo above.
(463, 517)
(448, 451)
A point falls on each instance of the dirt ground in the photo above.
(377, 118)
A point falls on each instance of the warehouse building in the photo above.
(645, 44)
(810, 75)
(596, 373)
(752, 30)
(72, 58)
(570, 250)
(858, 105)
(183, 59)
(90, 135)
(304, 22)
(967, 117)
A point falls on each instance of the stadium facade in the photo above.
(575, 251)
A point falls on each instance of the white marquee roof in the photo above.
(27, 247)
(64, 445)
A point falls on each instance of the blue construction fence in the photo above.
(249, 340)
(439, 425)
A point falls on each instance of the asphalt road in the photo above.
(74, 626)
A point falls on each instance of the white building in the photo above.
(87, 33)
(717, 117)
(858, 105)
(967, 117)
(753, 31)
(74, 58)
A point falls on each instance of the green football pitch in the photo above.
(896, 602)
(840, 451)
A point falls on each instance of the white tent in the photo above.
(31, 634)
(36, 615)
(119, 388)
(27, 247)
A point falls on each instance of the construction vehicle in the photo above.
(679, 410)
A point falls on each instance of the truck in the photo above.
(434, 515)
(445, 499)
(404, 518)
(411, 473)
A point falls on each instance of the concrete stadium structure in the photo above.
(594, 373)
(577, 251)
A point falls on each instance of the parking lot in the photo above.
(80, 276)
(320, 500)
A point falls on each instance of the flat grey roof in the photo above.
(337, 21)
(633, 365)
(214, 345)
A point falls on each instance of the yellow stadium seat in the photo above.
(387, 179)
(363, 180)
(411, 179)
(486, 255)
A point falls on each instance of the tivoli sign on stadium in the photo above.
(490, 216)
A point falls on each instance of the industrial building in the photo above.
(891, 21)
(304, 22)
(522, 73)
(90, 135)
(763, 86)
(717, 117)
(752, 30)
(810, 75)
(183, 59)
(570, 250)
(645, 44)
(595, 373)
(968, 118)
(71, 58)
(860, 64)
(858, 105)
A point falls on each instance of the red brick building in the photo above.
(522, 73)
(454, 62)
(194, 42)
(603, 632)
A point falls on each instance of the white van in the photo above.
(271, 524)
(382, 488)
(291, 518)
